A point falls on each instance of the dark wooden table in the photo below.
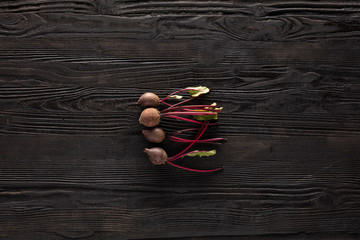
(71, 151)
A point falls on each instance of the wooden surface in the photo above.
(71, 160)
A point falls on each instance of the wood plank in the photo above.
(109, 111)
(117, 160)
(84, 181)
(187, 7)
(29, 6)
(239, 28)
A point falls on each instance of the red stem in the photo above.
(189, 113)
(181, 141)
(185, 130)
(185, 89)
(204, 109)
(184, 119)
(177, 156)
(198, 133)
(192, 129)
(191, 106)
(197, 138)
(177, 139)
(167, 104)
(182, 102)
(195, 170)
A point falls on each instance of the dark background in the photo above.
(286, 72)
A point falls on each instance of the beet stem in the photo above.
(185, 130)
(189, 113)
(167, 104)
(195, 170)
(181, 90)
(192, 129)
(198, 132)
(204, 109)
(200, 141)
(201, 131)
(189, 140)
(191, 106)
(182, 102)
(184, 119)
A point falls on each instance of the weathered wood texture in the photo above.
(71, 160)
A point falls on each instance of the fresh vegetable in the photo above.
(154, 135)
(149, 100)
(158, 155)
(150, 117)
(202, 114)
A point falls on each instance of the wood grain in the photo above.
(72, 163)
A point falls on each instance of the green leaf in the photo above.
(198, 153)
(210, 116)
(197, 91)
(176, 96)
(214, 104)
(206, 117)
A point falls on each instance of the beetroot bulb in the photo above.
(156, 155)
(149, 100)
(150, 117)
(154, 135)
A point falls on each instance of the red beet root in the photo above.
(155, 135)
(150, 117)
(149, 100)
(156, 155)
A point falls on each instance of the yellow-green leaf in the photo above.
(214, 104)
(197, 91)
(198, 153)
(176, 96)
(206, 117)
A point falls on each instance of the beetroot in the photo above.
(150, 117)
(149, 100)
(154, 135)
(156, 155)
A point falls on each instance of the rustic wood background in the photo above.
(71, 160)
